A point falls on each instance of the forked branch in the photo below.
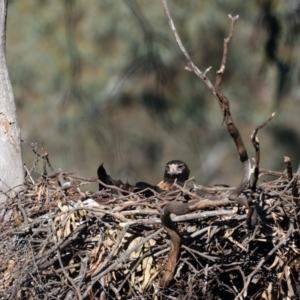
(216, 90)
(181, 208)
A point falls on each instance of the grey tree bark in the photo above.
(11, 165)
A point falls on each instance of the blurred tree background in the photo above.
(104, 81)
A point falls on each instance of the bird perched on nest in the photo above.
(174, 170)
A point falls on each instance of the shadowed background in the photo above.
(104, 81)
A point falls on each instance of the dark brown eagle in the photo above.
(174, 170)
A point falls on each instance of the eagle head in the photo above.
(176, 169)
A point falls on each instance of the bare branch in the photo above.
(190, 65)
(252, 213)
(226, 42)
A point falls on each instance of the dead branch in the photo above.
(232, 129)
(252, 213)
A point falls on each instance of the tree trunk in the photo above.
(11, 166)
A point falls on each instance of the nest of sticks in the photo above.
(64, 243)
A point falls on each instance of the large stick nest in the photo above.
(67, 244)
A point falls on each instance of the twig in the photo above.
(209, 257)
(191, 66)
(255, 143)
